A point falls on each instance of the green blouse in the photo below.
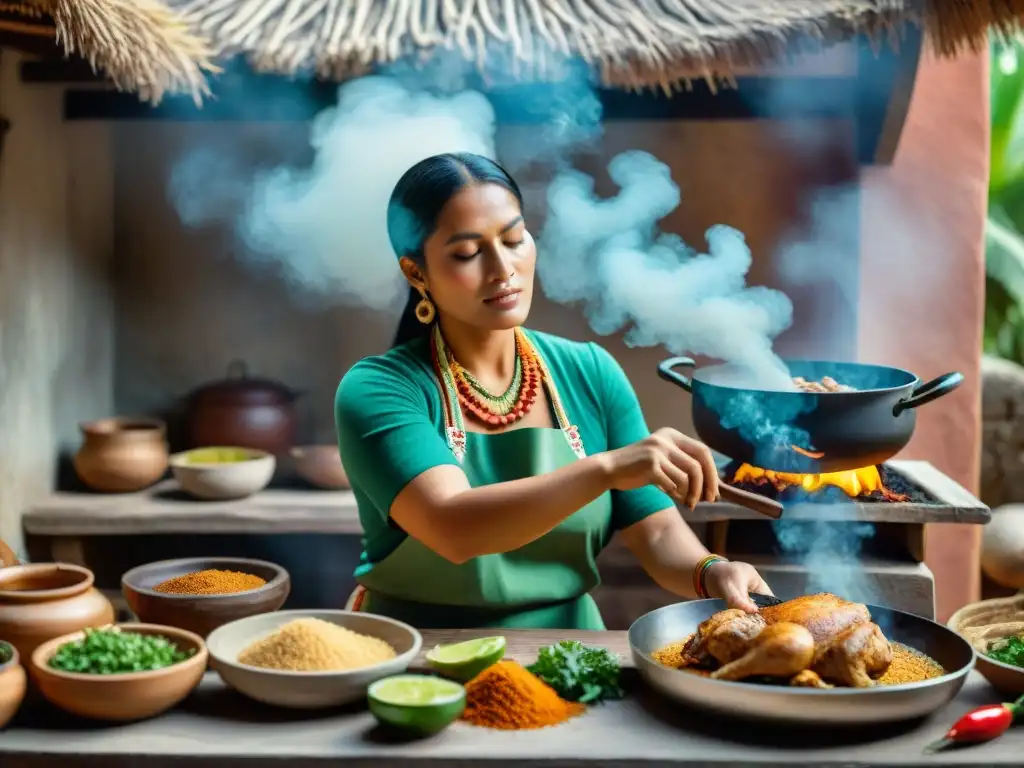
(390, 424)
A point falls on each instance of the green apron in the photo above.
(543, 585)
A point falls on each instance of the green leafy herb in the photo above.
(578, 672)
(112, 652)
(1009, 651)
(6, 652)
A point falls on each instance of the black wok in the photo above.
(808, 432)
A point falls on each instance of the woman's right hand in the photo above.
(681, 466)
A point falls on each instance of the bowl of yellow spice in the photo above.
(201, 594)
(311, 659)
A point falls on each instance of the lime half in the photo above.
(416, 703)
(464, 661)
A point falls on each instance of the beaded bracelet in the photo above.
(700, 574)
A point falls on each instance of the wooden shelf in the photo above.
(164, 509)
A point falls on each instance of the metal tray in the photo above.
(837, 706)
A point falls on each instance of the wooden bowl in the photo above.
(308, 690)
(202, 613)
(12, 683)
(1005, 678)
(320, 465)
(122, 697)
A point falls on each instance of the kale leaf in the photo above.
(578, 672)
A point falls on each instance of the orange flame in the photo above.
(854, 482)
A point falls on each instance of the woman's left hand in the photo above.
(733, 582)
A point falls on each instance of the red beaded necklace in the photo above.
(454, 425)
(486, 412)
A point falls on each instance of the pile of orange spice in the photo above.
(508, 697)
(210, 582)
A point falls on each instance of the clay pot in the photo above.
(1002, 546)
(46, 600)
(12, 682)
(122, 455)
(320, 465)
(244, 412)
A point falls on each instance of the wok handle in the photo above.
(665, 371)
(931, 390)
(752, 501)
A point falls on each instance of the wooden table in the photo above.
(216, 728)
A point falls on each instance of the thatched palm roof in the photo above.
(169, 46)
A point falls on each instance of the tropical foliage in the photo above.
(1004, 237)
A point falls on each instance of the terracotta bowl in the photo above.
(12, 683)
(123, 697)
(320, 465)
(1005, 678)
(202, 613)
(223, 473)
(308, 690)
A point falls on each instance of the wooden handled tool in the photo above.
(753, 501)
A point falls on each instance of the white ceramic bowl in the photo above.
(205, 474)
(308, 690)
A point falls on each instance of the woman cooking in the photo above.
(492, 464)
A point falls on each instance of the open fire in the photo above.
(854, 483)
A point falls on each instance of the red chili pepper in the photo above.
(978, 725)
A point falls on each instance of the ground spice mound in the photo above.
(910, 666)
(313, 645)
(671, 655)
(211, 582)
(508, 697)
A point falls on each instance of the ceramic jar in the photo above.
(46, 600)
(243, 411)
(12, 683)
(122, 455)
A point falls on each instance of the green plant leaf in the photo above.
(578, 672)
(1004, 254)
(1007, 130)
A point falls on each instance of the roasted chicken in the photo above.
(815, 641)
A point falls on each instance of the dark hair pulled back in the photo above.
(416, 204)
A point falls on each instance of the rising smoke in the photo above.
(830, 552)
(323, 227)
(609, 255)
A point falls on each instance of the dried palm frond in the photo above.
(158, 46)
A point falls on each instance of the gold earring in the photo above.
(425, 311)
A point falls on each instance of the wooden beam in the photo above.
(885, 85)
(268, 98)
(57, 69)
(877, 97)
